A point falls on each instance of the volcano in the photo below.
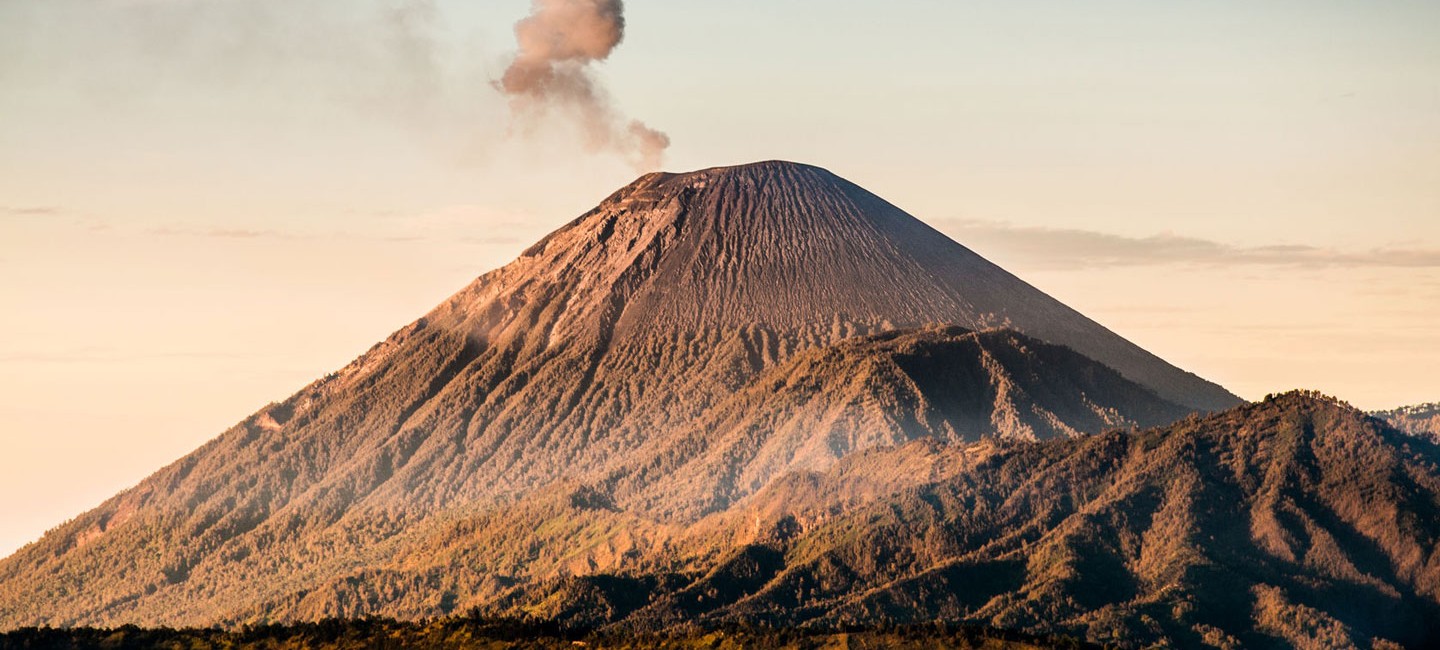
(660, 361)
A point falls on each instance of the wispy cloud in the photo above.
(222, 233)
(1064, 248)
(106, 355)
(492, 240)
(46, 216)
(465, 224)
(30, 211)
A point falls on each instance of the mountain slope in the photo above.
(945, 383)
(231, 560)
(1296, 522)
(600, 347)
(1418, 420)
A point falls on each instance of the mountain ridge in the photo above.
(537, 388)
(235, 528)
(1293, 522)
(1417, 419)
(790, 199)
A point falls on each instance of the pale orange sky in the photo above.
(206, 204)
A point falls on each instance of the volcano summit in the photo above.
(649, 367)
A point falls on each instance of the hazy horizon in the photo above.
(206, 204)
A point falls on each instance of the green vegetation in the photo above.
(468, 633)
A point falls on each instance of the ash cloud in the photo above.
(558, 43)
(400, 64)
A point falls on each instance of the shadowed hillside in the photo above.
(1293, 522)
(467, 634)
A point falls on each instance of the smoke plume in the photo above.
(558, 42)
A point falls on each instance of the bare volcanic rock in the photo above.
(694, 331)
(941, 383)
(800, 252)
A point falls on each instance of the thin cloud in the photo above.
(465, 224)
(30, 211)
(232, 233)
(222, 233)
(1068, 249)
(49, 216)
(492, 240)
(98, 355)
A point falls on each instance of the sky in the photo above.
(207, 204)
